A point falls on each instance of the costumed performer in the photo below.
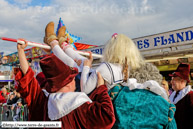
(142, 103)
(57, 101)
(120, 56)
(182, 96)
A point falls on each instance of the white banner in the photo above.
(167, 39)
(31, 124)
(175, 38)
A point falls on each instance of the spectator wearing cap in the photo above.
(58, 101)
(182, 96)
(16, 117)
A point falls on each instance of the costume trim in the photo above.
(181, 94)
(61, 104)
(113, 80)
(150, 85)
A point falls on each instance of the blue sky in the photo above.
(28, 3)
(94, 21)
(40, 2)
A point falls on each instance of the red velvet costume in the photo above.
(183, 99)
(98, 114)
(184, 112)
(2, 98)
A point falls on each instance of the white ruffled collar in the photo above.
(181, 94)
(150, 85)
(61, 104)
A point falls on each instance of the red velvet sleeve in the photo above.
(28, 87)
(191, 100)
(2, 99)
(100, 112)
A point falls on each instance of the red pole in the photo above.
(8, 39)
(45, 46)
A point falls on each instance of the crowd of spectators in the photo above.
(12, 101)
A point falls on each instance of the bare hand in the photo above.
(89, 61)
(12, 107)
(22, 46)
(47, 51)
(11, 97)
(78, 62)
(100, 80)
